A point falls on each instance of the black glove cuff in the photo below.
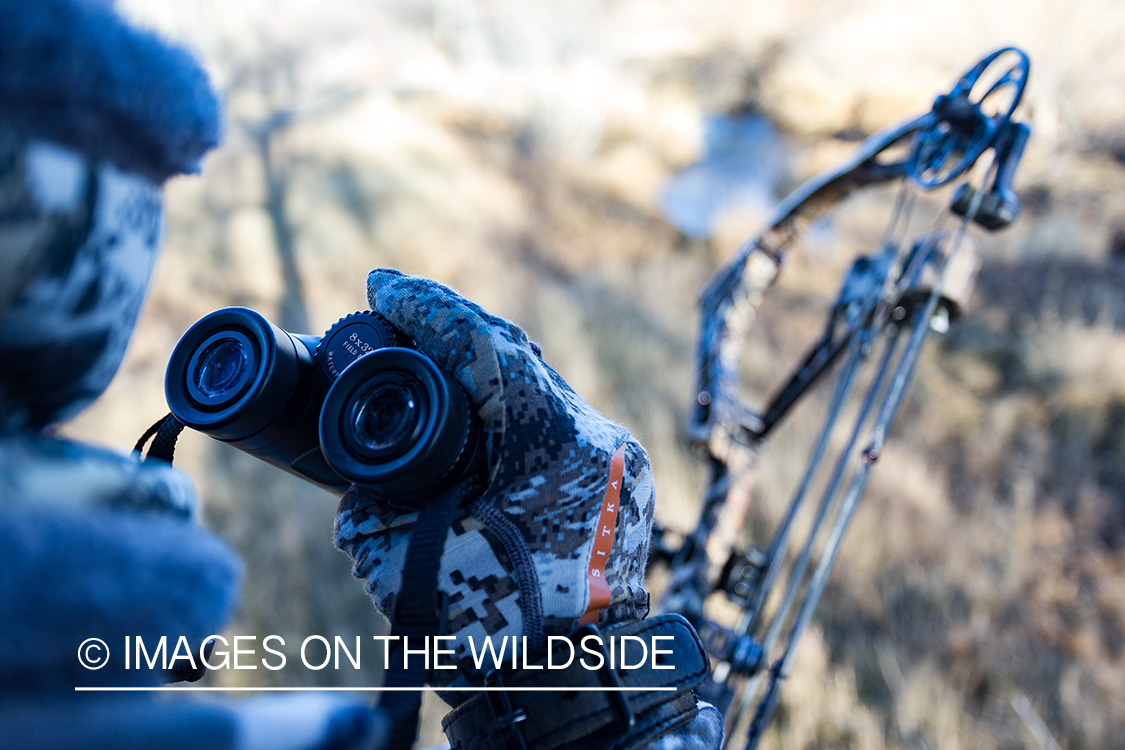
(592, 716)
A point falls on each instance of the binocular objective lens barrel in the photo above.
(395, 423)
(242, 380)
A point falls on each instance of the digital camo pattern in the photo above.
(39, 471)
(516, 563)
(704, 732)
(474, 572)
(79, 240)
(99, 544)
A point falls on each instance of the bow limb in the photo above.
(730, 299)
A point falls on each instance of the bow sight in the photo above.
(891, 300)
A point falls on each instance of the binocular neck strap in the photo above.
(166, 431)
(419, 612)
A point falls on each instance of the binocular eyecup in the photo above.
(355, 406)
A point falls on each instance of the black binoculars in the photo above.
(358, 405)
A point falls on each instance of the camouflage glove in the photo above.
(561, 532)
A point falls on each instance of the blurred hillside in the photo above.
(521, 151)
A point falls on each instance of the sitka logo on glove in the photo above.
(600, 595)
(561, 532)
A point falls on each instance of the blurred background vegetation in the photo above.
(556, 162)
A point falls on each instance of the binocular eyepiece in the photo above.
(357, 405)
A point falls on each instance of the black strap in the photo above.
(167, 430)
(419, 612)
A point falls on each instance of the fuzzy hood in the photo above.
(74, 72)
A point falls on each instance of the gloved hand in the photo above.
(561, 532)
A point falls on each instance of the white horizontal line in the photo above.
(169, 689)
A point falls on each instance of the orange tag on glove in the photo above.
(603, 539)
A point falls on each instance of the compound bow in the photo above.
(898, 295)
